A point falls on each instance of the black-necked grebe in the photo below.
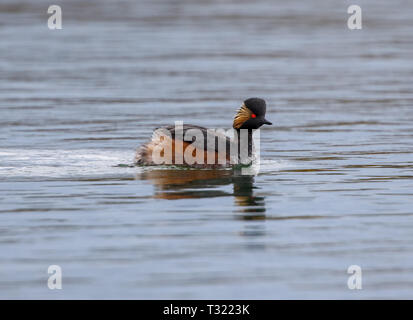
(200, 147)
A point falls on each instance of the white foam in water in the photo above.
(64, 163)
(264, 166)
(86, 162)
(267, 165)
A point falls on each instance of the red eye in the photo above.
(253, 116)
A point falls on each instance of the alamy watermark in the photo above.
(55, 20)
(354, 22)
(55, 279)
(354, 282)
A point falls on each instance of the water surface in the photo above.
(336, 177)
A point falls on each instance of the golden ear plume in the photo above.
(242, 115)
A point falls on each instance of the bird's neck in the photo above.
(245, 143)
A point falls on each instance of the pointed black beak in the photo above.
(265, 121)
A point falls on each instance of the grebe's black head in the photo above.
(251, 115)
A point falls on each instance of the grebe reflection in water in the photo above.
(172, 184)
